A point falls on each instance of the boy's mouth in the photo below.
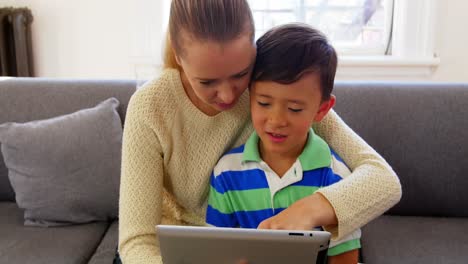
(277, 138)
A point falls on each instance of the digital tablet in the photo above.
(216, 245)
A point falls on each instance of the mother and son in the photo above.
(258, 118)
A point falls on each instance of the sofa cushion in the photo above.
(421, 130)
(405, 239)
(105, 253)
(27, 99)
(66, 169)
(23, 244)
(6, 191)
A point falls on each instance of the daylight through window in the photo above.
(355, 27)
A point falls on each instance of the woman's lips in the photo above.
(277, 138)
(226, 106)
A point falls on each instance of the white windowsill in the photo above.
(366, 67)
(353, 67)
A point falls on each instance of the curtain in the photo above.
(15, 42)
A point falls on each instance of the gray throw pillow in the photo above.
(66, 170)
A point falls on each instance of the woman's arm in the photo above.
(370, 190)
(141, 190)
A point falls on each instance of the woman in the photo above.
(178, 125)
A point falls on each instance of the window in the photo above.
(374, 38)
(353, 26)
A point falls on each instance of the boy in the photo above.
(283, 160)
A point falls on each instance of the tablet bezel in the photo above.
(210, 245)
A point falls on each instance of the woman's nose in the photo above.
(227, 93)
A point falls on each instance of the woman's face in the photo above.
(216, 74)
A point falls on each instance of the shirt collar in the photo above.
(316, 153)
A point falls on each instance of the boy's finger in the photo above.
(265, 224)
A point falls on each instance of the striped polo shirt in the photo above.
(244, 190)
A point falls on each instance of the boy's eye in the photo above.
(295, 110)
(263, 104)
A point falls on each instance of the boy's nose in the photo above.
(277, 118)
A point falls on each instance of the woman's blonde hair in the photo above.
(205, 20)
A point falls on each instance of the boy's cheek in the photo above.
(305, 126)
(258, 122)
(255, 113)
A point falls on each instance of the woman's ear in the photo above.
(325, 106)
(177, 59)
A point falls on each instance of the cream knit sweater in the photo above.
(170, 148)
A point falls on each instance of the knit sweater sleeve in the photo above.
(141, 188)
(371, 188)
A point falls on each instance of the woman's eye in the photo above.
(263, 104)
(295, 110)
(240, 75)
(206, 83)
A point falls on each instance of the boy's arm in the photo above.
(219, 211)
(350, 257)
(349, 243)
(296, 216)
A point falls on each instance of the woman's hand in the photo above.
(305, 214)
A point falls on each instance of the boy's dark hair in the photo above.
(286, 52)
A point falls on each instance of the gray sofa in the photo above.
(420, 128)
(26, 99)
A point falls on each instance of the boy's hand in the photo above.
(305, 214)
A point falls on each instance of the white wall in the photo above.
(96, 39)
(452, 41)
(80, 39)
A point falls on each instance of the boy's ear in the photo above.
(325, 106)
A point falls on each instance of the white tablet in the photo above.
(216, 245)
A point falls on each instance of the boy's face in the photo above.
(283, 113)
